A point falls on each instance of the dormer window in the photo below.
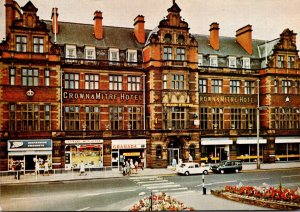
(168, 38)
(200, 60)
(70, 51)
(114, 54)
(232, 62)
(21, 43)
(213, 60)
(291, 62)
(132, 56)
(246, 62)
(90, 53)
(181, 39)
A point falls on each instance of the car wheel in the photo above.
(222, 171)
(205, 172)
(186, 173)
(236, 171)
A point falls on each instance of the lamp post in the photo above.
(257, 127)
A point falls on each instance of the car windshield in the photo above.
(222, 163)
(182, 165)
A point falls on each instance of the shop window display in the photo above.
(91, 155)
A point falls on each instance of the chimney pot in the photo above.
(244, 38)
(98, 28)
(54, 18)
(214, 36)
(139, 28)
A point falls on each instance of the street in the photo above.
(120, 193)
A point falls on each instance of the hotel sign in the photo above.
(101, 96)
(228, 99)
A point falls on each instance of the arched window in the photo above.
(180, 39)
(168, 38)
(192, 150)
(159, 152)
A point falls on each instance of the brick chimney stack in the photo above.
(214, 39)
(139, 28)
(54, 18)
(98, 29)
(244, 38)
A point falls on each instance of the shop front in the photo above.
(247, 148)
(28, 151)
(215, 149)
(287, 148)
(88, 151)
(125, 149)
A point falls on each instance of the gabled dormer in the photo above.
(177, 46)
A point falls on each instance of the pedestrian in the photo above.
(142, 162)
(124, 168)
(18, 167)
(46, 167)
(128, 167)
(174, 163)
(190, 158)
(136, 164)
(132, 167)
(82, 168)
(37, 167)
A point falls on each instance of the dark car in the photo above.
(227, 166)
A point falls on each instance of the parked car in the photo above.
(227, 166)
(192, 168)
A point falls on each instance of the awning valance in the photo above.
(285, 140)
(251, 140)
(216, 141)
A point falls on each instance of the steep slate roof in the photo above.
(124, 38)
(228, 47)
(82, 34)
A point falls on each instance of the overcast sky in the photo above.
(268, 17)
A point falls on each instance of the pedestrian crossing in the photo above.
(158, 184)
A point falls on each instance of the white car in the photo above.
(192, 168)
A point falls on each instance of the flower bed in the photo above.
(160, 202)
(265, 196)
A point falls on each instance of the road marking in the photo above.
(159, 184)
(233, 181)
(258, 179)
(145, 177)
(167, 186)
(83, 209)
(149, 182)
(290, 176)
(109, 192)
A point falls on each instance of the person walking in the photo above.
(190, 158)
(82, 168)
(37, 167)
(128, 168)
(18, 168)
(46, 168)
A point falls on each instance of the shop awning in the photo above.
(286, 140)
(131, 154)
(251, 140)
(215, 141)
(32, 152)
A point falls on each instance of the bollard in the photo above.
(204, 189)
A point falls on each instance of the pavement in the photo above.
(190, 199)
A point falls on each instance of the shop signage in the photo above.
(21, 145)
(129, 144)
(94, 141)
